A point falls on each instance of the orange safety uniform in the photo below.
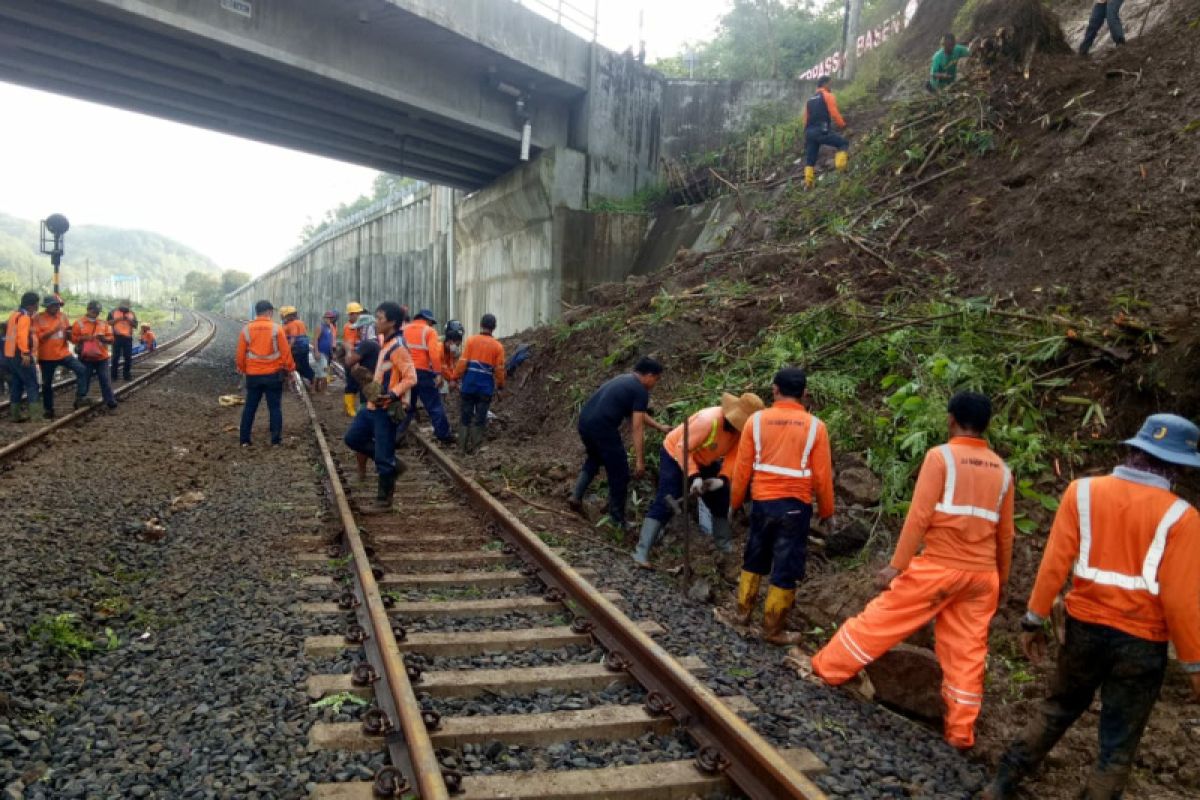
(294, 328)
(788, 457)
(122, 322)
(424, 345)
(831, 104)
(709, 441)
(482, 356)
(349, 337)
(19, 338)
(149, 339)
(962, 510)
(86, 327)
(394, 372)
(53, 335)
(1133, 548)
(263, 349)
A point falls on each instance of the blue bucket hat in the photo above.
(426, 314)
(1168, 437)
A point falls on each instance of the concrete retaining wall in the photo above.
(699, 116)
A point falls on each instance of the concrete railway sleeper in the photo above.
(428, 607)
(196, 339)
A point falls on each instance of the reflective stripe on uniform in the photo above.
(947, 505)
(424, 339)
(274, 354)
(479, 366)
(1148, 580)
(804, 471)
(962, 696)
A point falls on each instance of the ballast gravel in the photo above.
(188, 672)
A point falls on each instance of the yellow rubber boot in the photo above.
(810, 177)
(841, 160)
(747, 594)
(775, 611)
(348, 404)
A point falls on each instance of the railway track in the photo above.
(18, 437)
(449, 583)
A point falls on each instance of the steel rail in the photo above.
(169, 343)
(129, 388)
(726, 743)
(410, 747)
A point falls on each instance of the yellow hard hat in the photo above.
(286, 310)
(354, 308)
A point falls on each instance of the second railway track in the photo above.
(438, 599)
(15, 437)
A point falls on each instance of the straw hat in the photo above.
(738, 409)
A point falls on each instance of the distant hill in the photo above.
(160, 262)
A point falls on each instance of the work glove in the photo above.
(713, 484)
(371, 391)
(396, 411)
(361, 375)
(697, 487)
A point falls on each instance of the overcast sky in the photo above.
(239, 202)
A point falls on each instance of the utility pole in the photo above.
(850, 53)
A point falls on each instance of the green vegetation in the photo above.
(334, 702)
(99, 252)
(643, 201)
(384, 186)
(64, 634)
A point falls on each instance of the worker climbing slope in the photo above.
(962, 513)
(712, 434)
(1131, 548)
(820, 116)
(787, 467)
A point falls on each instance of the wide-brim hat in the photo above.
(51, 300)
(427, 315)
(737, 410)
(287, 310)
(1170, 438)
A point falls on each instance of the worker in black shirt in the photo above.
(624, 397)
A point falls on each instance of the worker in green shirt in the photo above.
(944, 69)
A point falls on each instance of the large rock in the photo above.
(858, 485)
(847, 539)
(909, 679)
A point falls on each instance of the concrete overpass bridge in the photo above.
(435, 89)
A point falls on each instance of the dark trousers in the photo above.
(475, 408)
(778, 542)
(24, 382)
(1109, 12)
(373, 433)
(670, 485)
(48, 369)
(427, 392)
(258, 387)
(303, 366)
(100, 370)
(122, 348)
(1127, 671)
(605, 449)
(817, 137)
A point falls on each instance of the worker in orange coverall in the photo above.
(962, 510)
(786, 464)
(1134, 549)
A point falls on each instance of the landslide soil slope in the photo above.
(1084, 204)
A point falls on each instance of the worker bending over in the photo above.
(621, 398)
(360, 368)
(20, 353)
(1131, 547)
(962, 512)
(264, 357)
(373, 431)
(786, 464)
(298, 343)
(712, 433)
(92, 337)
(422, 341)
(481, 370)
(52, 330)
(943, 70)
(820, 115)
(149, 340)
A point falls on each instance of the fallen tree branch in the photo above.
(861, 245)
(1087, 135)
(898, 193)
(900, 229)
